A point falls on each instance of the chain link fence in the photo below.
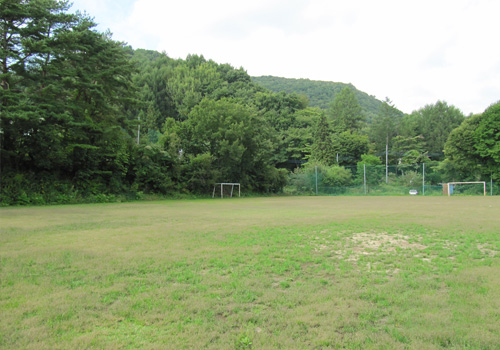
(378, 180)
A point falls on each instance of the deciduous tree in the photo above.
(435, 123)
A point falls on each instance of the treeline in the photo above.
(86, 118)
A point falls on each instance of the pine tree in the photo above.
(322, 147)
(345, 112)
(64, 92)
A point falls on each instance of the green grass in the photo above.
(259, 273)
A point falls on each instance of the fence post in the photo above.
(423, 179)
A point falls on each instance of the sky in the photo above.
(412, 52)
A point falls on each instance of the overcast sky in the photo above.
(414, 52)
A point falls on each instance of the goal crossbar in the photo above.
(448, 184)
(222, 184)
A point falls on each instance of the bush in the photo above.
(13, 189)
(410, 179)
(374, 170)
(276, 180)
(337, 176)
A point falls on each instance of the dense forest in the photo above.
(86, 118)
(320, 93)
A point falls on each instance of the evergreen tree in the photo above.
(29, 119)
(65, 91)
(345, 112)
(384, 128)
(322, 147)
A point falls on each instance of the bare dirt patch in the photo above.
(487, 251)
(375, 243)
(358, 244)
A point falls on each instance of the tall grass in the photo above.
(259, 273)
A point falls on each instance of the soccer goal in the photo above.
(226, 189)
(465, 188)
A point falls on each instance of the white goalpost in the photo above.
(449, 187)
(227, 184)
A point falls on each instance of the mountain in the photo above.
(320, 93)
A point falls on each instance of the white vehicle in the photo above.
(413, 192)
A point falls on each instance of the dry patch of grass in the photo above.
(363, 243)
(290, 273)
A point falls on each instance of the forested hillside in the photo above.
(320, 93)
(86, 118)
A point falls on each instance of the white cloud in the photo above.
(413, 52)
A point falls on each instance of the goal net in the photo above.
(465, 188)
(226, 189)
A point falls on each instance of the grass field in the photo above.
(260, 273)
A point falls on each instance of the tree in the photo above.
(345, 112)
(463, 160)
(294, 143)
(28, 46)
(403, 144)
(281, 111)
(371, 167)
(96, 97)
(350, 146)
(322, 147)
(235, 137)
(410, 179)
(435, 123)
(337, 176)
(333, 179)
(409, 151)
(473, 149)
(384, 127)
(154, 170)
(155, 71)
(201, 173)
(346, 119)
(487, 137)
(64, 96)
